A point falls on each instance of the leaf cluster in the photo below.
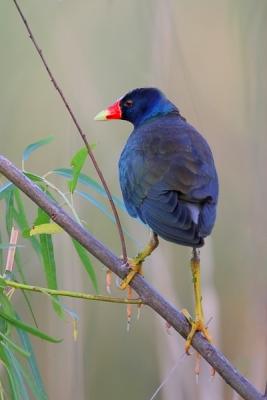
(16, 352)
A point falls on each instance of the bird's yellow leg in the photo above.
(197, 325)
(136, 262)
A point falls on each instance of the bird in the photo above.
(168, 180)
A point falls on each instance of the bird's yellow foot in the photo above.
(197, 325)
(136, 262)
(135, 268)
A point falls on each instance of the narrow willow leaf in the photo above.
(4, 327)
(50, 229)
(84, 257)
(36, 377)
(14, 390)
(21, 219)
(4, 189)
(28, 328)
(91, 183)
(42, 217)
(96, 203)
(14, 345)
(74, 317)
(47, 251)
(34, 146)
(6, 307)
(105, 211)
(27, 349)
(33, 177)
(31, 384)
(19, 268)
(2, 283)
(9, 210)
(16, 372)
(77, 163)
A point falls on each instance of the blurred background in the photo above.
(210, 58)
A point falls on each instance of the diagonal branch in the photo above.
(78, 126)
(146, 292)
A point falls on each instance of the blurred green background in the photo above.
(210, 58)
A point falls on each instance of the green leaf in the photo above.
(47, 251)
(21, 219)
(9, 210)
(84, 257)
(20, 268)
(6, 307)
(3, 299)
(14, 345)
(42, 217)
(16, 372)
(105, 211)
(50, 229)
(33, 177)
(26, 233)
(4, 189)
(96, 203)
(37, 380)
(77, 163)
(37, 395)
(91, 183)
(28, 328)
(34, 146)
(2, 284)
(5, 359)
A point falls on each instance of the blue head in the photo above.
(138, 106)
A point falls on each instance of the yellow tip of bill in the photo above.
(101, 116)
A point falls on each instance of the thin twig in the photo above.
(82, 134)
(146, 293)
(68, 293)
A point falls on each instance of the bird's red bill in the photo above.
(112, 112)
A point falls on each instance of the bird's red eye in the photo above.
(128, 103)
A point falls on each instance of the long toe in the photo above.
(196, 326)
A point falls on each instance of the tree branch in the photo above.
(146, 292)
